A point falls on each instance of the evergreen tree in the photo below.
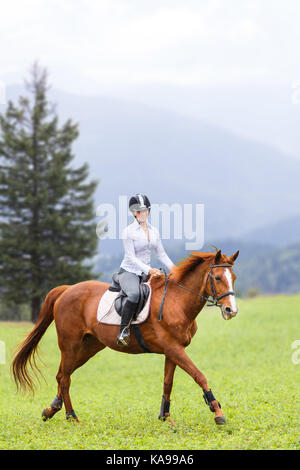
(47, 216)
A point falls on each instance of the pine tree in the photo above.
(47, 216)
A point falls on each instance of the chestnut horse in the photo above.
(80, 336)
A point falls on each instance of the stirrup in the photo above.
(124, 337)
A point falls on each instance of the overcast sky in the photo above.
(125, 46)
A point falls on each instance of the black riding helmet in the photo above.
(139, 202)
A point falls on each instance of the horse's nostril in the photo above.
(228, 310)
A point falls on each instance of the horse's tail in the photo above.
(25, 354)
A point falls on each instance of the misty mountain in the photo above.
(281, 233)
(133, 148)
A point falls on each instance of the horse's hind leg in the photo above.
(71, 359)
(57, 403)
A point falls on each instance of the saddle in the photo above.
(118, 302)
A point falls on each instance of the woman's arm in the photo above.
(162, 255)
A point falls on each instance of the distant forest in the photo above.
(260, 269)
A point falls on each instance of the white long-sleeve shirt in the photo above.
(138, 249)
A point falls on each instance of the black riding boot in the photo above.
(127, 313)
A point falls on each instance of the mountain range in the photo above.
(250, 190)
(130, 147)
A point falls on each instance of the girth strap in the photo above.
(139, 337)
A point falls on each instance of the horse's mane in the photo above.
(185, 266)
(188, 264)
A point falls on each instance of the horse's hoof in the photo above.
(170, 421)
(71, 416)
(45, 415)
(75, 421)
(220, 420)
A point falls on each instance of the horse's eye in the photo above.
(217, 278)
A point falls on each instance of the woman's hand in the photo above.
(155, 272)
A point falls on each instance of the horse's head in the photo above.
(220, 283)
(217, 279)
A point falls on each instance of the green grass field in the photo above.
(248, 363)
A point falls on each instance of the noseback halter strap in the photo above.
(215, 298)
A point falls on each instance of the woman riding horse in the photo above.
(185, 291)
(139, 239)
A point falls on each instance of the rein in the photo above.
(215, 298)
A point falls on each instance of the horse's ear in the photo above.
(234, 257)
(218, 256)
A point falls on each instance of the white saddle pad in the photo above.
(106, 312)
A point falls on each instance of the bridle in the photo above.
(215, 298)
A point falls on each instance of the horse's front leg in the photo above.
(168, 384)
(178, 356)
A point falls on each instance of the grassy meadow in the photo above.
(248, 363)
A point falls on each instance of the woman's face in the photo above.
(142, 216)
